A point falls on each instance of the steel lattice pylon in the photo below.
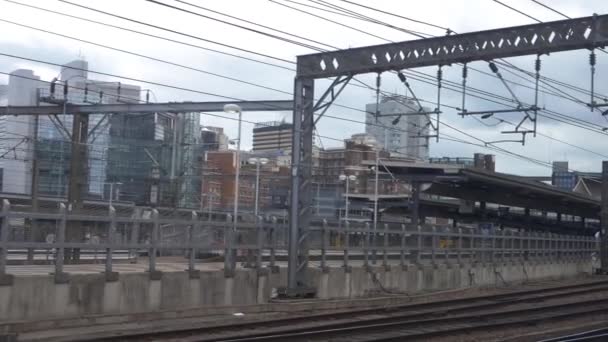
(572, 34)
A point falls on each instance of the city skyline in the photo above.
(570, 66)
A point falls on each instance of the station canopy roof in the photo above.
(472, 184)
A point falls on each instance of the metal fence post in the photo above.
(433, 245)
(229, 257)
(447, 245)
(547, 246)
(493, 246)
(524, 246)
(367, 245)
(459, 250)
(556, 246)
(374, 245)
(403, 245)
(260, 242)
(346, 246)
(533, 237)
(192, 229)
(418, 245)
(569, 246)
(476, 251)
(501, 240)
(511, 247)
(135, 234)
(60, 240)
(6, 208)
(273, 243)
(324, 243)
(385, 254)
(110, 241)
(153, 248)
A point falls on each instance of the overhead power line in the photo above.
(176, 32)
(236, 25)
(145, 56)
(569, 97)
(551, 9)
(253, 23)
(472, 68)
(533, 18)
(516, 10)
(398, 16)
(152, 35)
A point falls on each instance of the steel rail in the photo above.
(351, 319)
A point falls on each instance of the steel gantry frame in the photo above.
(537, 39)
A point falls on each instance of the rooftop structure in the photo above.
(404, 136)
(272, 136)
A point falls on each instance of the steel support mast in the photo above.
(572, 34)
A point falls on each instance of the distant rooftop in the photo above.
(271, 124)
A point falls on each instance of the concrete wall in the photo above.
(32, 298)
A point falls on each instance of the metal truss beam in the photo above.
(340, 83)
(169, 107)
(570, 34)
(543, 38)
(301, 197)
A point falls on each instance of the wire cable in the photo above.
(551, 9)
(151, 35)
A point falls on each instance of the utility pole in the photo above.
(29, 233)
(174, 158)
(78, 178)
(604, 220)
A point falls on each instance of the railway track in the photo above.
(595, 335)
(419, 321)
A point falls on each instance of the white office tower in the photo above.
(16, 145)
(405, 136)
(51, 145)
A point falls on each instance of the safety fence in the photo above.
(263, 243)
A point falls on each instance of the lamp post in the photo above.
(231, 109)
(348, 179)
(258, 162)
(112, 184)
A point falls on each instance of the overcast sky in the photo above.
(459, 15)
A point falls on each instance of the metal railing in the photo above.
(263, 242)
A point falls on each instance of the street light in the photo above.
(348, 179)
(257, 162)
(112, 191)
(231, 109)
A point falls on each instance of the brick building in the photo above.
(218, 183)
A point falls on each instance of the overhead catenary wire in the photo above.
(204, 113)
(178, 87)
(146, 57)
(531, 17)
(357, 16)
(551, 9)
(511, 81)
(401, 153)
(253, 23)
(397, 15)
(156, 36)
(489, 74)
(292, 62)
(176, 32)
(516, 10)
(236, 25)
(549, 113)
(93, 71)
